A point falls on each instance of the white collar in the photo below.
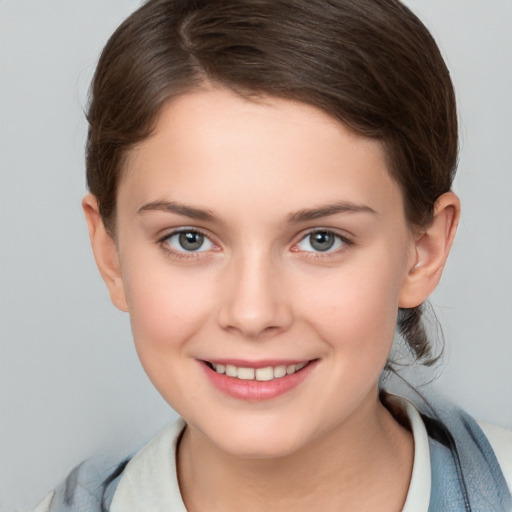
(418, 496)
(150, 480)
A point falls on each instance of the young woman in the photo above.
(270, 199)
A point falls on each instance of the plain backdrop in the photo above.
(70, 381)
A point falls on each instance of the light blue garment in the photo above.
(466, 475)
(90, 487)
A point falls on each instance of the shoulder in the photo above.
(500, 440)
(151, 477)
(481, 458)
(469, 464)
(89, 487)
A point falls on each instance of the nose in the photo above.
(254, 299)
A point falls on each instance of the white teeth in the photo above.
(245, 373)
(265, 373)
(279, 371)
(260, 374)
(231, 371)
(219, 368)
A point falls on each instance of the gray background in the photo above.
(70, 381)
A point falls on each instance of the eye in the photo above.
(321, 241)
(188, 241)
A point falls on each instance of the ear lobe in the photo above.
(105, 252)
(432, 247)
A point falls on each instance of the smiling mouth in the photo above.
(266, 374)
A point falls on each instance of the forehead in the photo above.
(233, 149)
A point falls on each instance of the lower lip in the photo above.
(254, 390)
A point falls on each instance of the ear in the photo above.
(105, 252)
(432, 246)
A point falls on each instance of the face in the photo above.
(262, 248)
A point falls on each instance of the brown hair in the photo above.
(369, 63)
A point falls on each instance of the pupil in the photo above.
(322, 240)
(191, 241)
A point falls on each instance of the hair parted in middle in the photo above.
(370, 64)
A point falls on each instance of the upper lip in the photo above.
(261, 363)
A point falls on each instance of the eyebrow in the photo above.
(293, 218)
(179, 209)
(329, 209)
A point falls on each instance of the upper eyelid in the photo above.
(346, 244)
(184, 255)
(163, 242)
(184, 229)
(343, 234)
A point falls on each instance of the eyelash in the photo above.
(188, 255)
(342, 240)
(184, 254)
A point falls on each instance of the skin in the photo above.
(257, 290)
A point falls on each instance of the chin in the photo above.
(253, 439)
(261, 447)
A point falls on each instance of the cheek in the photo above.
(166, 310)
(355, 307)
(166, 307)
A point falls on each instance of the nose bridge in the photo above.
(254, 299)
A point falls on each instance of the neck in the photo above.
(364, 464)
